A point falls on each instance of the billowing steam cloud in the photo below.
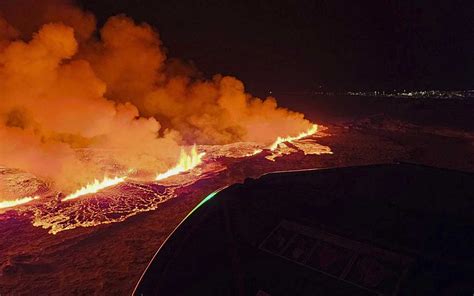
(62, 88)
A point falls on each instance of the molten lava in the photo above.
(16, 202)
(186, 162)
(95, 187)
(311, 131)
(86, 106)
(139, 192)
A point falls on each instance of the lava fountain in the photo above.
(186, 162)
(79, 104)
(95, 187)
(280, 140)
(17, 202)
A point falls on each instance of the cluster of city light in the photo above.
(416, 94)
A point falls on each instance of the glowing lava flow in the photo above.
(17, 202)
(95, 187)
(186, 162)
(311, 131)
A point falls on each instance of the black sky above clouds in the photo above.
(297, 46)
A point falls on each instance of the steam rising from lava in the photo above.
(62, 88)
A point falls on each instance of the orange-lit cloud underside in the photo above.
(62, 88)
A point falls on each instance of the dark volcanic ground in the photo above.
(109, 259)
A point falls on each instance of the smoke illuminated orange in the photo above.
(185, 163)
(85, 104)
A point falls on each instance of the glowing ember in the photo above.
(17, 202)
(186, 162)
(280, 140)
(256, 151)
(95, 187)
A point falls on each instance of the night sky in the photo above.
(300, 46)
